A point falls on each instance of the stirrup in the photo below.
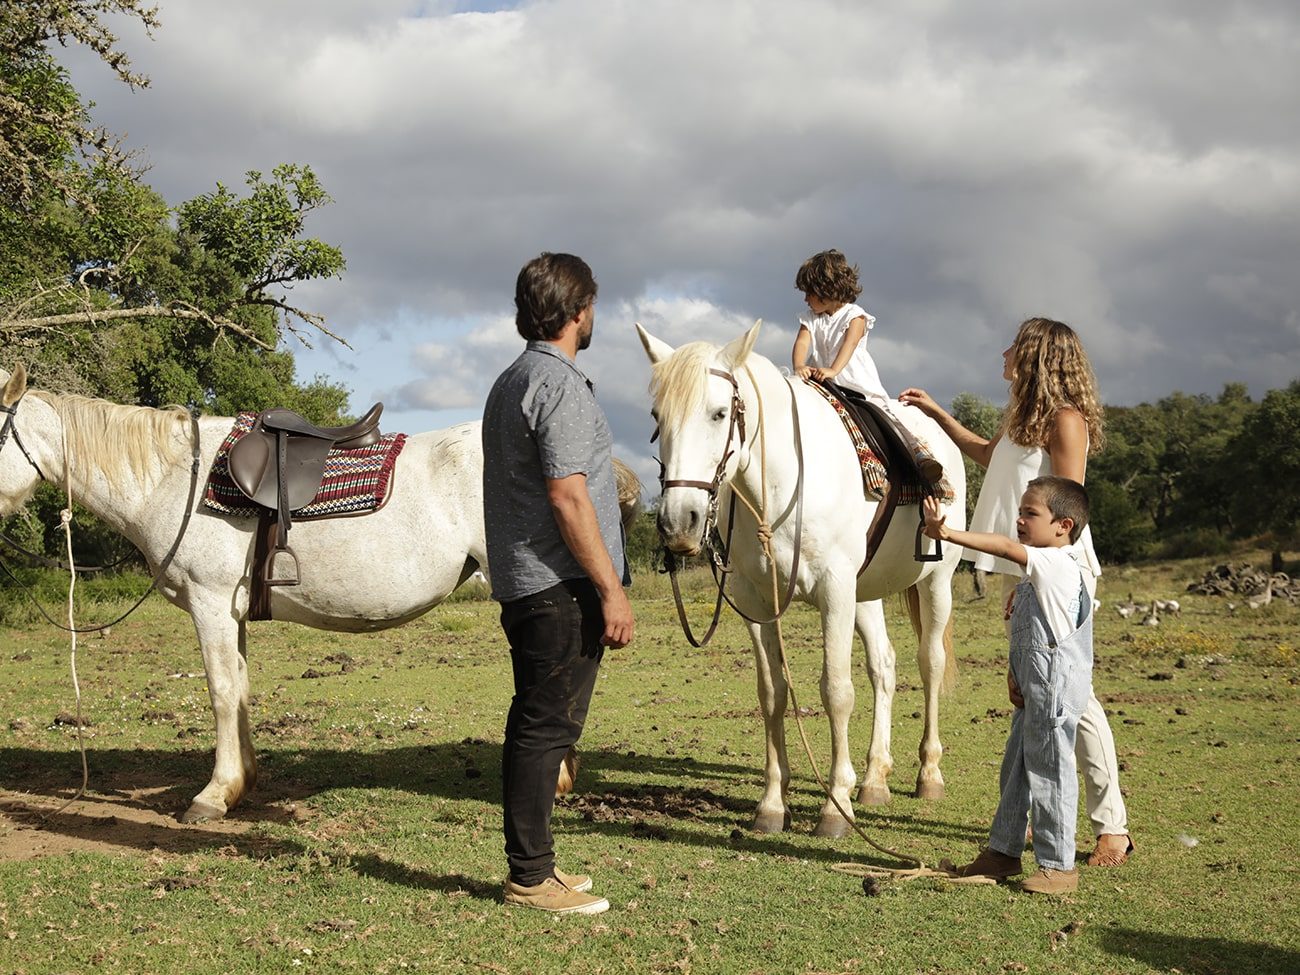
(918, 554)
(268, 570)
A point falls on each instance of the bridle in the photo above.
(719, 550)
(9, 429)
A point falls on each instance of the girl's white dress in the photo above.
(1010, 470)
(827, 333)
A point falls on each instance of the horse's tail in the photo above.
(912, 599)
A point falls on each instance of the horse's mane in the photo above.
(677, 383)
(119, 440)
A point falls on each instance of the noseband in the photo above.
(9, 428)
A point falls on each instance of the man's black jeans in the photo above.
(555, 650)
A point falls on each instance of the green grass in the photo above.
(373, 841)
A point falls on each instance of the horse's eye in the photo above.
(719, 416)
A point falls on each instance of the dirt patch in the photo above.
(128, 822)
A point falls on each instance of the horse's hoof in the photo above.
(832, 826)
(873, 795)
(932, 791)
(771, 822)
(202, 812)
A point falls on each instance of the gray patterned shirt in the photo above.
(542, 421)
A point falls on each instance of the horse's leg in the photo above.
(837, 698)
(223, 642)
(933, 651)
(772, 814)
(881, 669)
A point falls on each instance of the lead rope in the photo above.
(765, 540)
(66, 517)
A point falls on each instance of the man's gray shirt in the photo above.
(542, 421)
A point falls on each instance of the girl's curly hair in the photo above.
(829, 276)
(1050, 372)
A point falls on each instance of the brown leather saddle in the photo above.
(279, 465)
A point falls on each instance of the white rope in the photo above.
(66, 517)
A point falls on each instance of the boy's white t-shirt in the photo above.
(1056, 575)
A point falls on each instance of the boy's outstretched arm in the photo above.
(998, 545)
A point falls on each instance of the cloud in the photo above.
(1132, 170)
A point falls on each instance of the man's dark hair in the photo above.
(551, 290)
(1064, 499)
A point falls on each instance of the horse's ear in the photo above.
(15, 386)
(737, 351)
(657, 350)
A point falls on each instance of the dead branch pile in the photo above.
(1243, 579)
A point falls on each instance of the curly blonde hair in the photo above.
(1050, 372)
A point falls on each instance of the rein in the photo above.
(720, 550)
(195, 467)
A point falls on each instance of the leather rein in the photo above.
(718, 549)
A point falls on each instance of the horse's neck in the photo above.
(120, 497)
(770, 438)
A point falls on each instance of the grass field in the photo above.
(373, 842)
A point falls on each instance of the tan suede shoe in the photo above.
(553, 897)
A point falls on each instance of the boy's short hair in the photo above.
(829, 276)
(550, 291)
(1064, 499)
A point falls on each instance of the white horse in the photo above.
(694, 401)
(131, 467)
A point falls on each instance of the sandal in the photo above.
(1114, 859)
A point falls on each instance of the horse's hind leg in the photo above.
(223, 642)
(870, 623)
(772, 814)
(934, 655)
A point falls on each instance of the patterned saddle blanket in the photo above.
(874, 478)
(355, 482)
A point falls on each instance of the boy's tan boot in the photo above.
(574, 881)
(991, 863)
(1048, 881)
(555, 898)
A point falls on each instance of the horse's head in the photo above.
(701, 421)
(18, 473)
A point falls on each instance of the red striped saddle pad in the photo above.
(874, 479)
(355, 481)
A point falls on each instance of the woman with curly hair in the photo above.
(1052, 422)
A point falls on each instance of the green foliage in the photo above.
(643, 546)
(980, 416)
(1265, 463)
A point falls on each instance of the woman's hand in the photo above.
(923, 401)
(1013, 691)
(934, 519)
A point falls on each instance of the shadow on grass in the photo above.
(1200, 956)
(676, 799)
(401, 875)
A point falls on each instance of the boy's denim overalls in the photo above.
(1038, 768)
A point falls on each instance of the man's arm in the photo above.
(996, 545)
(576, 517)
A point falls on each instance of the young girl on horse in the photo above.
(831, 346)
(1052, 422)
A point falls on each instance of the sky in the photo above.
(1132, 169)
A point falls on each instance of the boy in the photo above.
(1051, 669)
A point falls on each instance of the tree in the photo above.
(42, 120)
(980, 416)
(1265, 460)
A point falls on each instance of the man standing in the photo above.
(555, 555)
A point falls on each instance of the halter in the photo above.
(9, 428)
(719, 551)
